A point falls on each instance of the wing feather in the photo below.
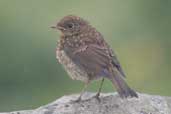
(94, 58)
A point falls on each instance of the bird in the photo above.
(86, 56)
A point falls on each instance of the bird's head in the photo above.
(71, 25)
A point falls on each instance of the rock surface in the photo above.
(110, 103)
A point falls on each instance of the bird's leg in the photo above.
(100, 88)
(99, 91)
(82, 92)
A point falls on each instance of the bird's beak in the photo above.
(57, 27)
(53, 27)
(60, 28)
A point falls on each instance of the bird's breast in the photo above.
(74, 71)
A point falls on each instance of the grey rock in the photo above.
(110, 103)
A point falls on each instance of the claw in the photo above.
(77, 100)
(97, 96)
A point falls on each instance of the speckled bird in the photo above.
(86, 56)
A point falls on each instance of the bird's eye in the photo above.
(70, 25)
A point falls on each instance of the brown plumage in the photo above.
(86, 56)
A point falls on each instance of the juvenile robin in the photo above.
(86, 56)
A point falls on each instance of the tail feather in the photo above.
(122, 87)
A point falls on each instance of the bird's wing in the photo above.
(95, 59)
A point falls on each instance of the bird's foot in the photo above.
(97, 96)
(77, 100)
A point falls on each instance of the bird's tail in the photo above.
(122, 87)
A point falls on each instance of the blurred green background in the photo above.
(30, 76)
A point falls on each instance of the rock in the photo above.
(110, 103)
